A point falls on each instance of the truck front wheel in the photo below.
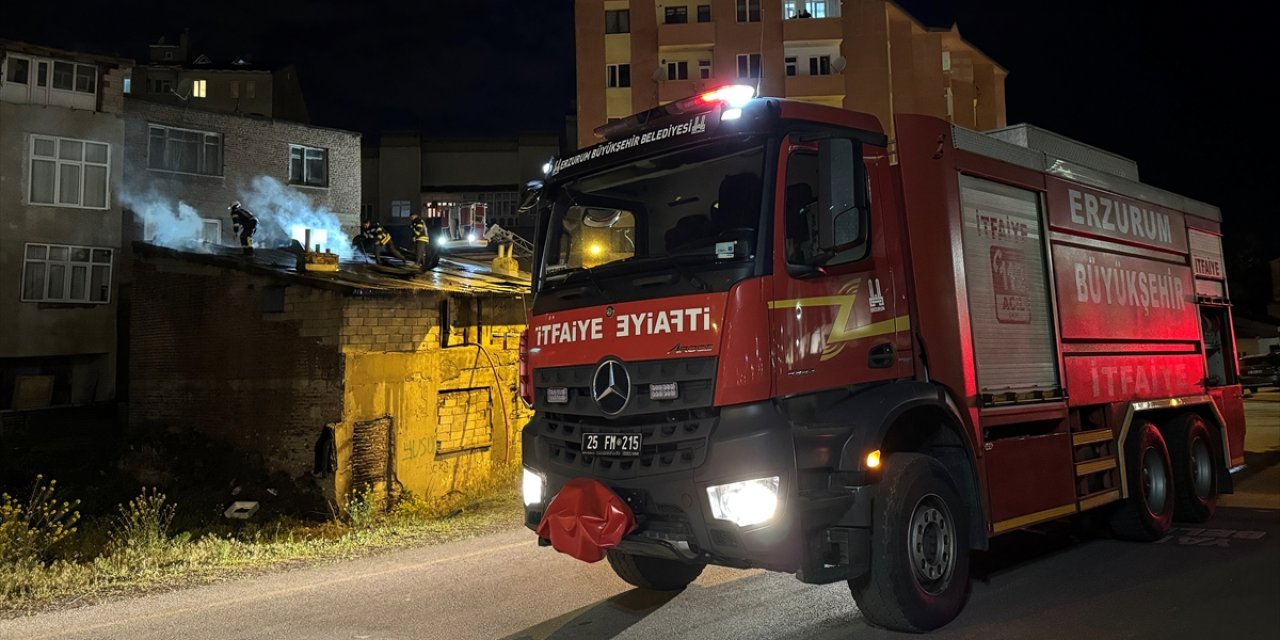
(657, 574)
(919, 576)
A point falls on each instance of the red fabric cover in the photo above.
(586, 519)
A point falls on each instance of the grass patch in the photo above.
(132, 552)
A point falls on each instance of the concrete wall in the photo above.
(251, 147)
(79, 339)
(208, 361)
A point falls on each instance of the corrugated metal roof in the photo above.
(453, 275)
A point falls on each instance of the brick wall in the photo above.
(251, 147)
(207, 362)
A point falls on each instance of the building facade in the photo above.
(332, 384)
(208, 159)
(863, 55)
(404, 172)
(62, 133)
(175, 74)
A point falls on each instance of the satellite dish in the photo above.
(184, 89)
(838, 64)
(659, 74)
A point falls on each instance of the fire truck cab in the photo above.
(764, 336)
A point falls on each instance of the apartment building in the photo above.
(863, 55)
(179, 75)
(62, 135)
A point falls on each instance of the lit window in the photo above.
(69, 173)
(128, 81)
(199, 89)
(184, 150)
(63, 273)
(308, 166)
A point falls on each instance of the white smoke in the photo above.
(284, 212)
(165, 222)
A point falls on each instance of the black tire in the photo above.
(1194, 453)
(921, 520)
(1147, 514)
(655, 574)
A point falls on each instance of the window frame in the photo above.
(201, 157)
(748, 10)
(614, 76)
(68, 276)
(791, 66)
(678, 70)
(704, 13)
(751, 57)
(303, 181)
(677, 14)
(58, 163)
(621, 21)
(705, 69)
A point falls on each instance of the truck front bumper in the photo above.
(667, 486)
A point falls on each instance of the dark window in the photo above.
(617, 21)
(619, 75)
(185, 151)
(64, 74)
(749, 65)
(791, 65)
(704, 13)
(676, 15)
(820, 66)
(704, 69)
(800, 207)
(748, 10)
(308, 165)
(678, 70)
(18, 70)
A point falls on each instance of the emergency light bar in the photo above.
(732, 97)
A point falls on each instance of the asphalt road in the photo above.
(1220, 580)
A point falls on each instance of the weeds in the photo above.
(143, 523)
(133, 550)
(30, 530)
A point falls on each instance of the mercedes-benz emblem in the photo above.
(611, 387)
(608, 312)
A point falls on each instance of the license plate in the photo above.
(611, 444)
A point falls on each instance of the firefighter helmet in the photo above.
(234, 205)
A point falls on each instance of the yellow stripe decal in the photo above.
(1032, 518)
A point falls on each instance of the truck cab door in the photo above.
(837, 315)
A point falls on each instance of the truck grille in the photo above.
(671, 442)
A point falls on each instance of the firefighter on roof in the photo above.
(243, 224)
(425, 255)
(375, 236)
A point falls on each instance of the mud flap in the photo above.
(585, 520)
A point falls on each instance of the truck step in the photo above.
(1098, 499)
(1094, 466)
(1091, 437)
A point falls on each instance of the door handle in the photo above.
(880, 356)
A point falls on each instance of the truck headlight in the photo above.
(533, 485)
(745, 503)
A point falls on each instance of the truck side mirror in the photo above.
(529, 196)
(842, 197)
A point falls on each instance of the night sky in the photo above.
(1176, 86)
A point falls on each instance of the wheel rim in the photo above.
(931, 544)
(1201, 468)
(1155, 481)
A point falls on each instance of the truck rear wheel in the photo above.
(657, 574)
(1193, 453)
(1148, 513)
(919, 576)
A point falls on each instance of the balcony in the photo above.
(812, 29)
(807, 86)
(694, 35)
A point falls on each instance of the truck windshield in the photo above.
(698, 206)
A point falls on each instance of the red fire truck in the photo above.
(764, 336)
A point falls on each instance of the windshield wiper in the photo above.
(676, 264)
(561, 277)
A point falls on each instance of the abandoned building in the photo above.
(330, 381)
